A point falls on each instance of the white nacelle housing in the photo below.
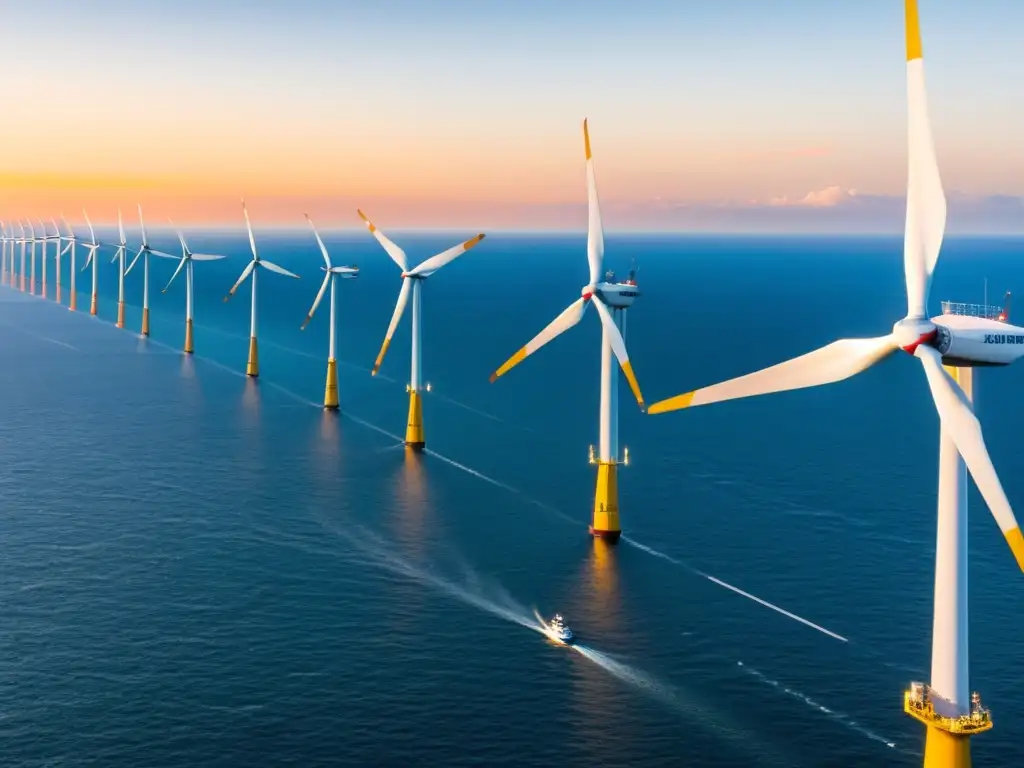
(967, 341)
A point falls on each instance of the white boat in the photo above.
(559, 629)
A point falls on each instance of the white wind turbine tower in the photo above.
(92, 259)
(32, 258)
(252, 367)
(119, 253)
(46, 237)
(611, 300)
(187, 260)
(145, 252)
(948, 347)
(332, 272)
(412, 280)
(71, 243)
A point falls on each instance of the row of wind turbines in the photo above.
(948, 347)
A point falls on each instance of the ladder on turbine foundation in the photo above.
(918, 702)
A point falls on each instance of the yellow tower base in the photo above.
(58, 293)
(252, 368)
(73, 303)
(946, 750)
(44, 289)
(92, 306)
(32, 286)
(606, 503)
(414, 429)
(189, 346)
(331, 389)
(145, 321)
(120, 314)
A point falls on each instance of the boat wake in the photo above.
(830, 713)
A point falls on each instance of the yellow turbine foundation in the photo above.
(120, 314)
(189, 346)
(605, 523)
(145, 321)
(943, 749)
(92, 305)
(58, 293)
(73, 303)
(331, 389)
(414, 429)
(44, 289)
(252, 368)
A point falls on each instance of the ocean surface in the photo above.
(198, 569)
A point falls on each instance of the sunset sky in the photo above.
(736, 114)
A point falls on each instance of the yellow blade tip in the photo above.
(586, 137)
(494, 377)
(913, 31)
(672, 404)
(1016, 541)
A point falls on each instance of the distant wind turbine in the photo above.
(187, 259)
(252, 367)
(32, 258)
(92, 259)
(22, 240)
(411, 283)
(46, 237)
(72, 241)
(145, 251)
(331, 388)
(3, 253)
(119, 252)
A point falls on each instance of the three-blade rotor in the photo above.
(256, 260)
(914, 334)
(422, 271)
(591, 293)
(332, 272)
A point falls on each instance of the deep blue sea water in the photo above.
(197, 569)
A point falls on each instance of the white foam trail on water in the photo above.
(39, 336)
(737, 590)
(831, 713)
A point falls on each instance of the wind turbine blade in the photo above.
(619, 348)
(274, 268)
(323, 248)
(92, 232)
(569, 317)
(926, 202)
(834, 362)
(595, 231)
(66, 249)
(403, 299)
(89, 258)
(142, 226)
(181, 237)
(162, 255)
(207, 257)
(434, 263)
(962, 425)
(71, 232)
(397, 254)
(248, 226)
(55, 227)
(345, 272)
(141, 251)
(245, 273)
(316, 301)
(120, 227)
(117, 252)
(180, 265)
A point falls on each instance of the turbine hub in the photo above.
(910, 332)
(587, 291)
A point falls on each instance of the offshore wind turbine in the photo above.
(611, 300)
(332, 272)
(252, 367)
(412, 280)
(3, 253)
(72, 242)
(32, 258)
(119, 252)
(948, 347)
(187, 260)
(22, 240)
(46, 237)
(145, 252)
(92, 259)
